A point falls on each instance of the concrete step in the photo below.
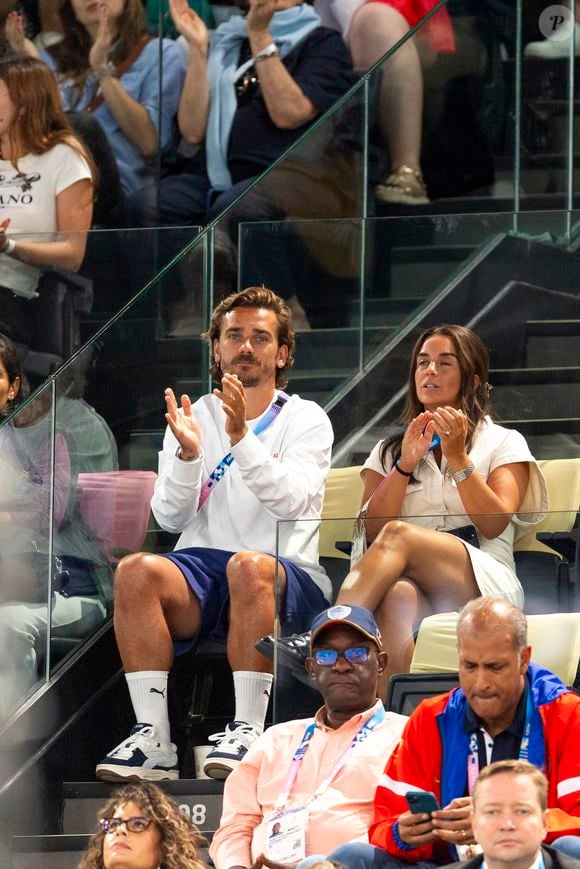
(547, 401)
(47, 852)
(199, 799)
(553, 343)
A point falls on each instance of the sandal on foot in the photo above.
(404, 186)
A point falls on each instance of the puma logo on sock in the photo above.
(157, 691)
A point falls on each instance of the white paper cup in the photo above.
(200, 752)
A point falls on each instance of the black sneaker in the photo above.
(292, 651)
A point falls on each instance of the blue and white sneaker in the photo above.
(231, 747)
(139, 757)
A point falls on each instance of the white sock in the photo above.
(148, 690)
(252, 694)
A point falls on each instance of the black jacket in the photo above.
(552, 860)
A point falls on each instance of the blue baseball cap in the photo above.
(356, 617)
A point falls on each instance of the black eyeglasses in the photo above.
(329, 657)
(134, 825)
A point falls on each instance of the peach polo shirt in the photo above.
(341, 814)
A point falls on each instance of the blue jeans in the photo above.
(569, 845)
(360, 855)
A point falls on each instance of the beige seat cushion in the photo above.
(554, 638)
(563, 481)
(342, 498)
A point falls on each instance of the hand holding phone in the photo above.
(420, 802)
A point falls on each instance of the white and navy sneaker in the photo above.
(231, 746)
(139, 757)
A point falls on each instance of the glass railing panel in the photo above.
(322, 177)
(435, 108)
(455, 97)
(34, 486)
(315, 265)
(109, 421)
(477, 271)
(547, 586)
(65, 309)
(548, 146)
(358, 285)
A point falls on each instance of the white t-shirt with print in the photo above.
(28, 198)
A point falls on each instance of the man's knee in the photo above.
(250, 573)
(137, 576)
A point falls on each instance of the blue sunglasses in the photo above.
(329, 657)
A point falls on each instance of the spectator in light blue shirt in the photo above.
(106, 64)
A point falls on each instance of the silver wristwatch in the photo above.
(106, 71)
(463, 473)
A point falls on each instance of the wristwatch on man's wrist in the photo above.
(463, 473)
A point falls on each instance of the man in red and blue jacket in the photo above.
(505, 707)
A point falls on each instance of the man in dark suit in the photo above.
(509, 820)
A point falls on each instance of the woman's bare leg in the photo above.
(436, 562)
(403, 607)
(375, 28)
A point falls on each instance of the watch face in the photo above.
(463, 474)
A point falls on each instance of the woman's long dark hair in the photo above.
(11, 362)
(473, 360)
(72, 53)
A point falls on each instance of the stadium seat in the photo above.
(554, 637)
(342, 497)
(547, 554)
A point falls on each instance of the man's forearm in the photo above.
(194, 103)
(287, 104)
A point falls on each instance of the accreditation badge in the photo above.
(468, 852)
(286, 832)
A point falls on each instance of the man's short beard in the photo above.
(249, 379)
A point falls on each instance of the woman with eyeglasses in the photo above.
(142, 828)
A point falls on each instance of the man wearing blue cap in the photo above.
(313, 780)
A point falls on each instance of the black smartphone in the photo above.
(422, 801)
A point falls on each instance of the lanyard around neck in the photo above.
(222, 466)
(523, 754)
(360, 736)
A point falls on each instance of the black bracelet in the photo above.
(401, 471)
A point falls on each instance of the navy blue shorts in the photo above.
(205, 573)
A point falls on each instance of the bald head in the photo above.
(493, 660)
(493, 615)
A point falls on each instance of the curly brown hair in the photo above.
(473, 361)
(255, 297)
(180, 839)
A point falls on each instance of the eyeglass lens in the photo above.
(134, 825)
(329, 657)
